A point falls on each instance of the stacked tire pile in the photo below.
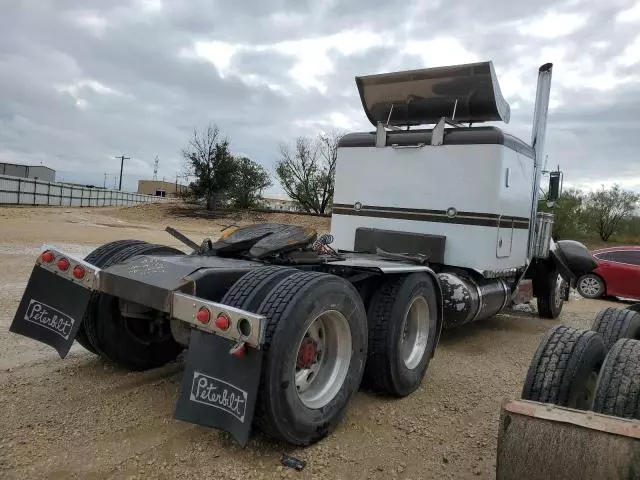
(596, 369)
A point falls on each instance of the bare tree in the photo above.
(607, 208)
(209, 160)
(307, 171)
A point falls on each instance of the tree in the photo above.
(249, 179)
(307, 172)
(607, 208)
(568, 214)
(209, 160)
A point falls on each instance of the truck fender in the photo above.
(438, 287)
(572, 258)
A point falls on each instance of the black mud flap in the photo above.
(218, 389)
(51, 310)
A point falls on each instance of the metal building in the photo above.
(39, 172)
(160, 188)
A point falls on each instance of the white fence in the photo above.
(27, 191)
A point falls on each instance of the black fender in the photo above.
(440, 300)
(571, 259)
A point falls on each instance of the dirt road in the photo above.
(81, 418)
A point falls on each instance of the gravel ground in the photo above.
(82, 418)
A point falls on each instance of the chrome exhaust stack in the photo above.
(538, 136)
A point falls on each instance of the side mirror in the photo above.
(555, 179)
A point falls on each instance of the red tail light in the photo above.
(222, 322)
(239, 350)
(47, 257)
(63, 264)
(79, 272)
(203, 315)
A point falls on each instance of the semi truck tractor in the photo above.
(434, 225)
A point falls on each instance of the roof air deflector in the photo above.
(418, 97)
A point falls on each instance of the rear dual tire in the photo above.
(315, 349)
(106, 332)
(302, 399)
(320, 343)
(403, 333)
(100, 258)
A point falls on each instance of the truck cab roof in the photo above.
(452, 136)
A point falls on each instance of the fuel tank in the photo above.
(466, 299)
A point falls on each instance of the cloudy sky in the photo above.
(82, 81)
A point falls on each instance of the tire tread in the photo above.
(98, 258)
(250, 285)
(618, 387)
(555, 363)
(616, 323)
(377, 374)
(114, 351)
(273, 308)
(545, 303)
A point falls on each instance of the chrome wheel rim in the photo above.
(415, 332)
(322, 363)
(590, 286)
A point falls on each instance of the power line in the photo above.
(122, 159)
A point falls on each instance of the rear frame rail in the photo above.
(237, 325)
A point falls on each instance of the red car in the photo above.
(617, 274)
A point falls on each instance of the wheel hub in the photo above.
(415, 332)
(322, 359)
(307, 353)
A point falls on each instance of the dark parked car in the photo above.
(617, 274)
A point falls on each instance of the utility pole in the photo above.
(104, 184)
(122, 159)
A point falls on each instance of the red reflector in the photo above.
(239, 350)
(222, 322)
(203, 315)
(47, 257)
(78, 272)
(63, 264)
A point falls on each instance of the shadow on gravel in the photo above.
(512, 322)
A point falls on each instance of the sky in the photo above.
(84, 81)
